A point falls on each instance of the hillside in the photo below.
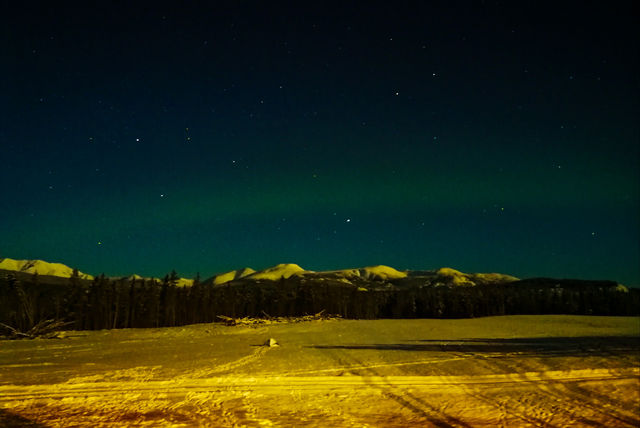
(40, 267)
(275, 273)
(230, 276)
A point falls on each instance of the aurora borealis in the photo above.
(205, 137)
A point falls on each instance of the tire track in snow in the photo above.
(258, 353)
(238, 401)
(182, 385)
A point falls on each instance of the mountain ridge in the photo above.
(377, 273)
(273, 273)
(40, 267)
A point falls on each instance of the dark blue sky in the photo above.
(207, 136)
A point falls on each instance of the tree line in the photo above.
(107, 303)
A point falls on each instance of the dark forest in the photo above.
(107, 303)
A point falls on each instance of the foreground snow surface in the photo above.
(500, 371)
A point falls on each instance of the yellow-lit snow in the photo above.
(40, 267)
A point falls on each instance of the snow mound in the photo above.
(40, 267)
(271, 343)
(277, 272)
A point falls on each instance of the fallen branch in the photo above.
(230, 321)
(45, 329)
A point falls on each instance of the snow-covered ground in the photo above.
(498, 371)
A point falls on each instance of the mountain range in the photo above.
(278, 272)
(60, 292)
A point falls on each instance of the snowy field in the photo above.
(500, 371)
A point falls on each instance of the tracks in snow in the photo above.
(546, 398)
(279, 384)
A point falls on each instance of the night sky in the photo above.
(209, 136)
